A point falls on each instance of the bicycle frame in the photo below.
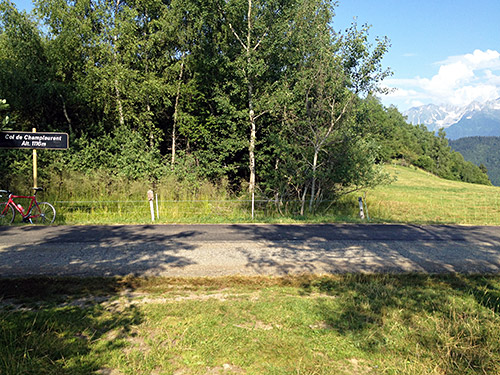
(26, 215)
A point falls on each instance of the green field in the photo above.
(350, 324)
(420, 197)
(414, 197)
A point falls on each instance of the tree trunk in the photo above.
(68, 119)
(313, 184)
(303, 200)
(121, 118)
(176, 112)
(251, 113)
(119, 106)
(251, 151)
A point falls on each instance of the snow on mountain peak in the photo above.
(495, 104)
(435, 117)
(444, 115)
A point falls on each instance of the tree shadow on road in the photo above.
(95, 251)
(342, 248)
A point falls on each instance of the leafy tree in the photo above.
(256, 27)
(323, 90)
(24, 69)
(3, 108)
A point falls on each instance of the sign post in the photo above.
(34, 141)
(35, 166)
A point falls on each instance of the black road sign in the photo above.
(48, 141)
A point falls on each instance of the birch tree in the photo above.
(255, 26)
(333, 71)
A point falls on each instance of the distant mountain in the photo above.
(434, 116)
(481, 150)
(476, 119)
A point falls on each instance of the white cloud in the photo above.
(416, 103)
(459, 81)
(491, 78)
(481, 59)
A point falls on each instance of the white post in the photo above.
(157, 212)
(366, 208)
(361, 210)
(253, 205)
(150, 198)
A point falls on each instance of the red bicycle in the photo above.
(36, 213)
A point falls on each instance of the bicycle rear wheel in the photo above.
(6, 214)
(44, 213)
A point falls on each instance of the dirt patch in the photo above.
(257, 325)
(321, 325)
(226, 368)
(109, 371)
(358, 367)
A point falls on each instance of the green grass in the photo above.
(346, 324)
(414, 197)
(420, 197)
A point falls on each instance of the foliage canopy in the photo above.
(262, 93)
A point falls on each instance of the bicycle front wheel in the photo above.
(44, 213)
(7, 214)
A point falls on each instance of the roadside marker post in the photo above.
(366, 208)
(157, 211)
(361, 209)
(150, 198)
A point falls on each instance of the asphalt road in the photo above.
(214, 250)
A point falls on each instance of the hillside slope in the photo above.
(481, 150)
(421, 197)
(478, 124)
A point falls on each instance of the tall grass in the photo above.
(415, 197)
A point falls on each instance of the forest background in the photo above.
(260, 98)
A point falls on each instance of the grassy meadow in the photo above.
(420, 197)
(415, 196)
(346, 324)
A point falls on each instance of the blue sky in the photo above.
(442, 51)
(23, 4)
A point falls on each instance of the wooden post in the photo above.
(35, 166)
